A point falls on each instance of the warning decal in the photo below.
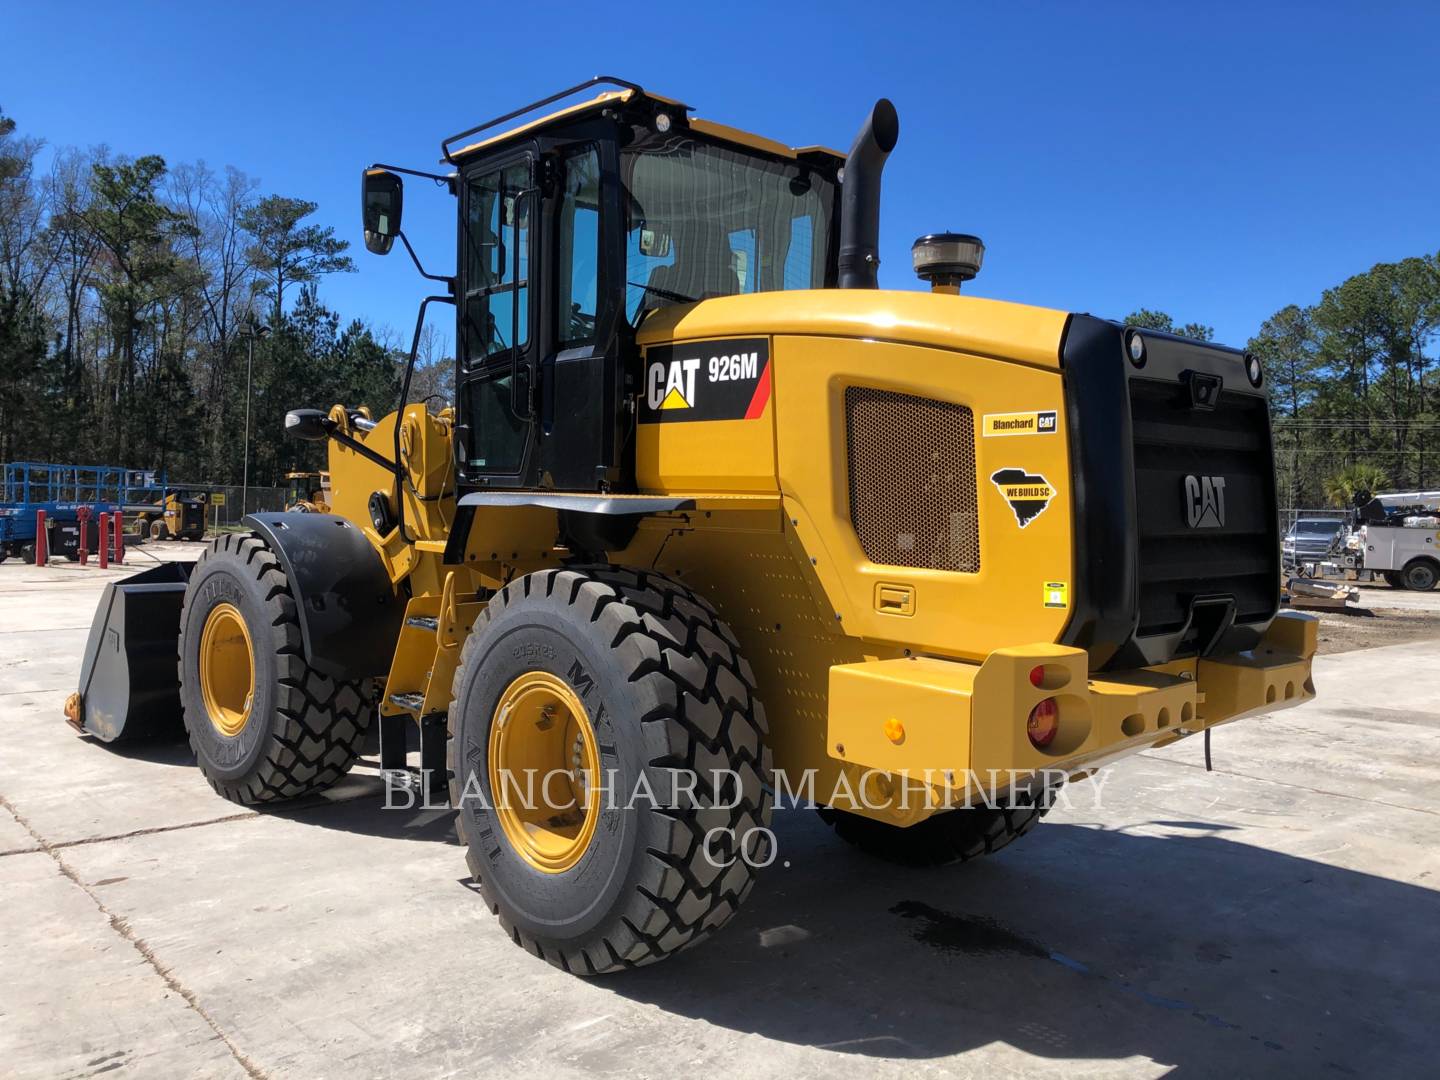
(1027, 493)
(706, 380)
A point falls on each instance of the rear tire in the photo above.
(954, 836)
(1420, 575)
(668, 696)
(159, 530)
(301, 731)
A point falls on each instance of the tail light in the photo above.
(1043, 724)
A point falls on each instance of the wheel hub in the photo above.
(543, 764)
(227, 670)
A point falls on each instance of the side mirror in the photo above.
(312, 425)
(654, 241)
(381, 202)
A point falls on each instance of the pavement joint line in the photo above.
(122, 927)
(48, 629)
(154, 830)
(1300, 787)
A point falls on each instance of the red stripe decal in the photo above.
(762, 395)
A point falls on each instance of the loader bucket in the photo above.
(129, 679)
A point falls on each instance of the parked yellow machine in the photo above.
(308, 492)
(959, 549)
(177, 516)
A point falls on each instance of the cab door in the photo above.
(580, 447)
(496, 340)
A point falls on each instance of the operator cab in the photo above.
(571, 228)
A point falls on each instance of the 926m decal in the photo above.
(706, 380)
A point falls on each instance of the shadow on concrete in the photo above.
(161, 750)
(1190, 950)
(357, 805)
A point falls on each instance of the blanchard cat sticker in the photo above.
(1019, 423)
(1027, 493)
(706, 380)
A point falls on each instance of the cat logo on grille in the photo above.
(1205, 501)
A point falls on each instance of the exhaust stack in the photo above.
(860, 198)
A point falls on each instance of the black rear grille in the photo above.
(1179, 564)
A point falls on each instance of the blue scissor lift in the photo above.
(61, 490)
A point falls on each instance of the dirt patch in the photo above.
(1367, 628)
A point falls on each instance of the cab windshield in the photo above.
(706, 220)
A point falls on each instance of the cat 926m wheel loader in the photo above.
(713, 517)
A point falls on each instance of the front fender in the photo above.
(349, 613)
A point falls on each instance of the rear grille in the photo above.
(1179, 564)
(912, 480)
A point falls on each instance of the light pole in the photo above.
(252, 331)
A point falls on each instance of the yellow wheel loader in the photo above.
(715, 520)
(309, 492)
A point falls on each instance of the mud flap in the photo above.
(129, 679)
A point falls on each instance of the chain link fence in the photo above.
(228, 503)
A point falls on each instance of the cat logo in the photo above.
(1027, 493)
(671, 385)
(1205, 501)
(706, 380)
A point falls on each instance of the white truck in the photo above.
(1398, 537)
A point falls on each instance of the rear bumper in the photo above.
(958, 726)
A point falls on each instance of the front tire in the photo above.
(657, 678)
(159, 530)
(953, 836)
(264, 725)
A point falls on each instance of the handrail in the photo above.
(598, 80)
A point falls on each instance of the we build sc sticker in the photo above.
(706, 380)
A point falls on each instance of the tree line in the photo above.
(132, 293)
(133, 296)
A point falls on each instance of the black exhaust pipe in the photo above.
(860, 198)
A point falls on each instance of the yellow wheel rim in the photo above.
(227, 669)
(544, 770)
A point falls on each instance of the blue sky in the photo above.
(1216, 160)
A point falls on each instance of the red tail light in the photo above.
(1044, 724)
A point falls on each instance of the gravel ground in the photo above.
(1383, 616)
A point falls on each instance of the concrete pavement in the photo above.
(1279, 916)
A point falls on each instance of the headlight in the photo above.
(1135, 346)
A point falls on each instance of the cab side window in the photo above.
(495, 320)
(497, 260)
(579, 264)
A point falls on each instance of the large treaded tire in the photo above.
(306, 729)
(662, 678)
(955, 836)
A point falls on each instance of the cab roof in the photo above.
(627, 94)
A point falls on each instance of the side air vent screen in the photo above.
(912, 480)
